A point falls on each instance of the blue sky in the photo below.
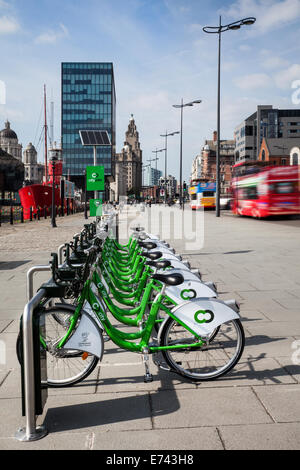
(160, 55)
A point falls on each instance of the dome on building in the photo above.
(7, 132)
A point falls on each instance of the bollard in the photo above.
(38, 213)
(11, 215)
(45, 212)
(30, 214)
(22, 215)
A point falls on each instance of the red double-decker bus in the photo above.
(261, 191)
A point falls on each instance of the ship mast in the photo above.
(46, 129)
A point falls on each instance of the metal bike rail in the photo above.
(60, 253)
(30, 273)
(31, 432)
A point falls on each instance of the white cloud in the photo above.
(8, 25)
(270, 14)
(244, 48)
(51, 36)
(4, 4)
(252, 81)
(152, 102)
(284, 78)
(274, 62)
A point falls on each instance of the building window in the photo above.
(295, 159)
(263, 155)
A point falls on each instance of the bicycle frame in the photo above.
(121, 339)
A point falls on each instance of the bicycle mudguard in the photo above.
(189, 290)
(87, 336)
(203, 316)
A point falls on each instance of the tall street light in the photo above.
(181, 106)
(219, 30)
(166, 135)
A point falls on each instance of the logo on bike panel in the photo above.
(204, 316)
(187, 294)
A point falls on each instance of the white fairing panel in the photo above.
(86, 337)
(203, 316)
(189, 290)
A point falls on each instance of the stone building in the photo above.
(208, 161)
(128, 164)
(34, 171)
(196, 168)
(9, 142)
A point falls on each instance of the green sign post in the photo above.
(95, 207)
(95, 178)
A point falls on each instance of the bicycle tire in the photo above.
(206, 362)
(62, 366)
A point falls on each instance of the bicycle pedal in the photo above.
(148, 378)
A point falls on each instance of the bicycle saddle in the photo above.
(169, 279)
(159, 264)
(147, 245)
(153, 256)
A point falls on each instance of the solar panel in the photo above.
(94, 137)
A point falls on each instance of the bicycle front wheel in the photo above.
(64, 367)
(209, 361)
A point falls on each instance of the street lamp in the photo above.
(181, 106)
(219, 30)
(166, 135)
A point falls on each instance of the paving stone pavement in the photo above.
(255, 406)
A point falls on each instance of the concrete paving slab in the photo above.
(291, 367)
(261, 437)
(88, 413)
(66, 441)
(275, 329)
(258, 370)
(208, 407)
(11, 387)
(282, 403)
(203, 438)
(267, 345)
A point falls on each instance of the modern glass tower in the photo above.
(88, 102)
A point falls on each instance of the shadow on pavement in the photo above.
(9, 265)
(103, 412)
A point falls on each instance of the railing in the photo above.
(17, 214)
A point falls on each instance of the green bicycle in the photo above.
(186, 338)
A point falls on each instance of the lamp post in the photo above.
(181, 106)
(166, 135)
(219, 30)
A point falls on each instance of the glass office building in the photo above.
(88, 103)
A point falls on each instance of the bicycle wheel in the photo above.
(210, 361)
(64, 367)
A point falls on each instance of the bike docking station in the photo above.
(173, 312)
(33, 358)
(33, 364)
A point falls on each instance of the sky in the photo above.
(160, 56)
